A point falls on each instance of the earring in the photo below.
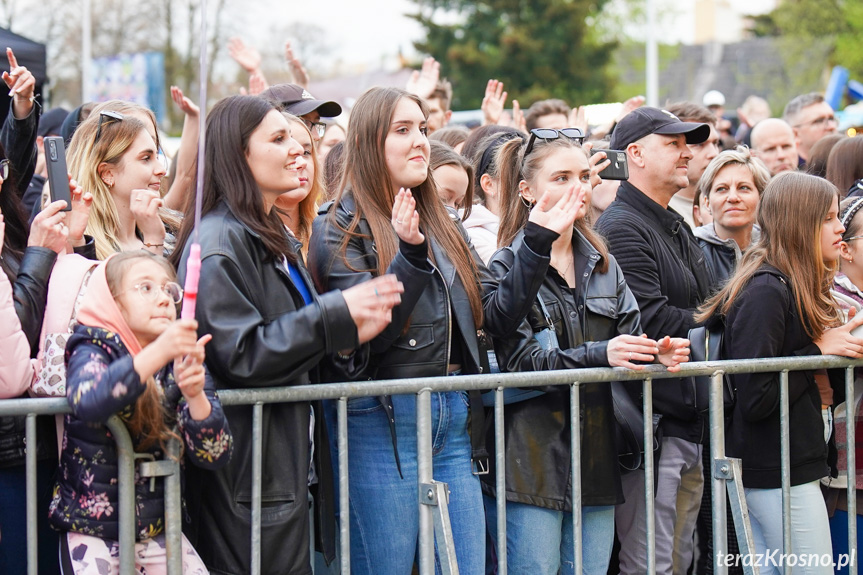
(527, 203)
(109, 184)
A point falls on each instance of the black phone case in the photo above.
(58, 178)
(619, 167)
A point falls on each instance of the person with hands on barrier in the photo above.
(778, 304)
(130, 356)
(270, 328)
(583, 299)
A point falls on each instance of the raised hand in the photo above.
(423, 83)
(406, 218)
(624, 349)
(257, 83)
(246, 56)
(48, 229)
(371, 303)
(493, 103)
(21, 84)
(598, 162)
(560, 216)
(673, 351)
(518, 121)
(578, 119)
(298, 72)
(630, 105)
(79, 215)
(187, 106)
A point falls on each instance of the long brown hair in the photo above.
(150, 417)
(515, 168)
(367, 178)
(791, 214)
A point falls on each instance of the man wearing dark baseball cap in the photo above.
(666, 271)
(299, 102)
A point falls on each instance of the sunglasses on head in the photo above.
(547, 134)
(102, 119)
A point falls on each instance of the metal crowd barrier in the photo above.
(431, 495)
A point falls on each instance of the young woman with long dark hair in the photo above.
(778, 304)
(269, 329)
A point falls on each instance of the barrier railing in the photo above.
(422, 388)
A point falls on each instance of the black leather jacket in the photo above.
(600, 308)
(433, 304)
(263, 336)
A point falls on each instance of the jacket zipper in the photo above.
(448, 319)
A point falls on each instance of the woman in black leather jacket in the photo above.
(270, 329)
(595, 319)
(731, 185)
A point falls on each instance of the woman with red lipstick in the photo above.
(778, 304)
(114, 155)
(297, 208)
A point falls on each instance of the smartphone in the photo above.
(619, 168)
(58, 177)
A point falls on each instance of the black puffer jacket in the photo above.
(263, 336)
(722, 255)
(668, 275)
(600, 308)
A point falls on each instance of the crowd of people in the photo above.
(397, 246)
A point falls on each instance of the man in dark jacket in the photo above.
(666, 271)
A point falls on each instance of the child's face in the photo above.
(147, 312)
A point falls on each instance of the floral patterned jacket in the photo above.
(102, 381)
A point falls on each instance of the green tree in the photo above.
(538, 48)
(837, 22)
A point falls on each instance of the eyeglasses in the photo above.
(823, 120)
(319, 127)
(546, 134)
(150, 291)
(4, 169)
(110, 116)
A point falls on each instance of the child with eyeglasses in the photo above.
(131, 357)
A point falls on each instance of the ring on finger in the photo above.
(630, 356)
(376, 293)
(399, 222)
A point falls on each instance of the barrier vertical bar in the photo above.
(173, 513)
(257, 457)
(32, 508)
(424, 475)
(851, 467)
(785, 453)
(717, 452)
(650, 508)
(344, 489)
(126, 493)
(500, 480)
(575, 454)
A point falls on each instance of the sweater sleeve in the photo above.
(209, 443)
(757, 328)
(628, 241)
(16, 368)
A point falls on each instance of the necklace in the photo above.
(566, 269)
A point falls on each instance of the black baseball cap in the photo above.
(644, 121)
(297, 100)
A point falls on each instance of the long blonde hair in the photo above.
(308, 207)
(791, 214)
(85, 154)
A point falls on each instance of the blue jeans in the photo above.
(539, 541)
(839, 535)
(810, 529)
(384, 508)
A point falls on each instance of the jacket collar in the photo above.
(223, 209)
(670, 220)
